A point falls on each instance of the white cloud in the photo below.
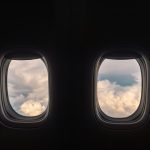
(28, 86)
(118, 101)
(32, 108)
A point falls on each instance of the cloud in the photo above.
(28, 86)
(32, 108)
(119, 87)
(119, 101)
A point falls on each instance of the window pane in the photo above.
(27, 83)
(119, 87)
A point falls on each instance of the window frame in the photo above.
(9, 116)
(141, 114)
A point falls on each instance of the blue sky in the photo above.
(121, 71)
(119, 87)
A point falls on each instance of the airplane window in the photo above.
(27, 83)
(119, 87)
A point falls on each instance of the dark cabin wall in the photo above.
(71, 35)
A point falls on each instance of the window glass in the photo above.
(119, 87)
(27, 83)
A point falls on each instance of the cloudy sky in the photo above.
(119, 87)
(28, 86)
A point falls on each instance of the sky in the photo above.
(28, 86)
(119, 87)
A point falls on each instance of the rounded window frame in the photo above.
(141, 113)
(9, 116)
